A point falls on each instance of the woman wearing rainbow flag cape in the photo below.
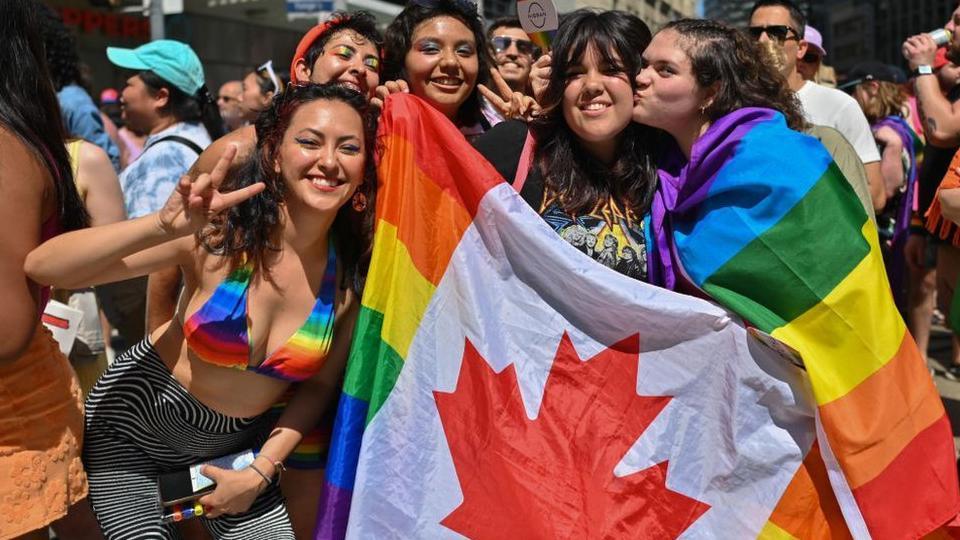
(757, 217)
(269, 302)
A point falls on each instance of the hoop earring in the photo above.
(703, 110)
(359, 202)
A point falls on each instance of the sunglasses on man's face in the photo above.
(777, 32)
(810, 58)
(502, 43)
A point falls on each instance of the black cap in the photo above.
(871, 71)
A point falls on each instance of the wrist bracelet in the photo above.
(258, 471)
(278, 466)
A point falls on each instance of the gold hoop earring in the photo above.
(359, 202)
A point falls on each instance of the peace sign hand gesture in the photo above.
(195, 201)
(510, 104)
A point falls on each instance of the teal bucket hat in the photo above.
(171, 60)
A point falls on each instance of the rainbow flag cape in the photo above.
(761, 220)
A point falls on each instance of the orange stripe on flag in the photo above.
(871, 425)
(443, 138)
(808, 508)
(926, 466)
(429, 221)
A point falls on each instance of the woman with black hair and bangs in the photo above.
(437, 51)
(41, 417)
(583, 164)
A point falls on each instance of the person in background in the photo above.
(41, 414)
(843, 154)
(258, 89)
(513, 55)
(229, 98)
(80, 114)
(809, 65)
(940, 117)
(875, 87)
(437, 51)
(782, 22)
(165, 98)
(513, 52)
(129, 142)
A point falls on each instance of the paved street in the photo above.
(949, 390)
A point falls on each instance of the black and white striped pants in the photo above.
(140, 422)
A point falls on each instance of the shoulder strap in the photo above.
(526, 161)
(180, 140)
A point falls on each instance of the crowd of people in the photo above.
(224, 237)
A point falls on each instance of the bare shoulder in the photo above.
(245, 139)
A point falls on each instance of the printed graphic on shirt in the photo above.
(609, 237)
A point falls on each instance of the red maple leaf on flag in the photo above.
(552, 477)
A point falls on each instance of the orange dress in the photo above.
(41, 427)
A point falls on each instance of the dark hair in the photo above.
(361, 22)
(29, 106)
(246, 230)
(61, 49)
(578, 180)
(266, 85)
(197, 108)
(723, 56)
(796, 14)
(398, 39)
(503, 22)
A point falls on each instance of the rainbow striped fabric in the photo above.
(761, 220)
(218, 334)
(406, 266)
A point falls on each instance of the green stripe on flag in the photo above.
(801, 258)
(374, 366)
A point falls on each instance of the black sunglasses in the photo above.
(502, 43)
(810, 58)
(777, 32)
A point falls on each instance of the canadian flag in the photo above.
(503, 384)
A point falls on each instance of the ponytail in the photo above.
(210, 114)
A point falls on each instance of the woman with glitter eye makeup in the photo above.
(436, 50)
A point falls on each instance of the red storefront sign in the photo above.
(90, 21)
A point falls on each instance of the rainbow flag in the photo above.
(761, 220)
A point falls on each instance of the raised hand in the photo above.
(195, 201)
(510, 104)
(390, 87)
(540, 76)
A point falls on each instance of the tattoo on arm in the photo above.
(931, 124)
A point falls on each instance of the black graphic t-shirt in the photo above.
(608, 235)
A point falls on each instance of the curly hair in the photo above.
(579, 181)
(398, 39)
(725, 57)
(61, 49)
(361, 22)
(889, 101)
(245, 232)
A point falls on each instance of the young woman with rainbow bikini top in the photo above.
(267, 260)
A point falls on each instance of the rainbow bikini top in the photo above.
(218, 332)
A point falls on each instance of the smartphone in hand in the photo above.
(185, 485)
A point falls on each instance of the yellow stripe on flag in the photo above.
(770, 531)
(853, 332)
(396, 289)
